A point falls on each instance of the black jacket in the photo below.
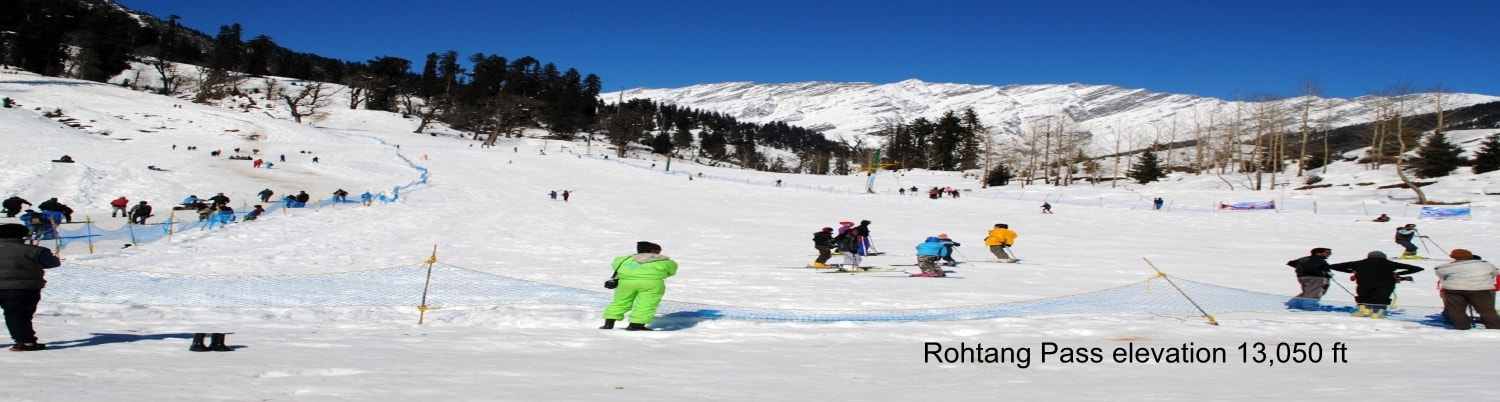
(823, 240)
(1311, 265)
(141, 210)
(303, 197)
(50, 205)
(1376, 271)
(14, 203)
(219, 199)
(21, 265)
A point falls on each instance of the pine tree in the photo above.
(971, 141)
(1488, 157)
(227, 49)
(661, 143)
(1147, 169)
(1437, 157)
(258, 60)
(998, 176)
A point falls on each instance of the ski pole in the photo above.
(1434, 244)
(1341, 286)
(1184, 294)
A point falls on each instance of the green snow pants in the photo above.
(639, 297)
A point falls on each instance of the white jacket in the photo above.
(1466, 275)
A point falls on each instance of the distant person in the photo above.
(928, 254)
(53, 206)
(139, 213)
(999, 239)
(219, 199)
(340, 195)
(366, 198)
(1404, 236)
(1312, 275)
(640, 283)
(118, 207)
(553, 194)
(823, 242)
(13, 206)
(566, 194)
(1158, 203)
(1376, 277)
(902, 191)
(1382, 218)
(255, 213)
(1468, 283)
(265, 195)
(21, 283)
(1046, 207)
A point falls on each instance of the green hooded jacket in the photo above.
(645, 267)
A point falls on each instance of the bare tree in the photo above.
(1310, 98)
(170, 79)
(313, 97)
(1399, 104)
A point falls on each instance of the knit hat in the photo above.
(1376, 255)
(1461, 254)
(647, 247)
(13, 231)
(943, 236)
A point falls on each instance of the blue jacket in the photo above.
(933, 247)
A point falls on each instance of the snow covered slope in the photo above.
(853, 110)
(741, 242)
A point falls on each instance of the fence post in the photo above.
(171, 224)
(88, 227)
(422, 308)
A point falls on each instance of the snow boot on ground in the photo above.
(608, 324)
(1410, 256)
(637, 327)
(28, 347)
(1378, 313)
(1363, 311)
(819, 265)
(216, 344)
(198, 343)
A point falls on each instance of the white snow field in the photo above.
(322, 302)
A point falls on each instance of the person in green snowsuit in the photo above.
(642, 284)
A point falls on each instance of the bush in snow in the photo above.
(1437, 157)
(1488, 157)
(1147, 169)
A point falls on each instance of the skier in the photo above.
(823, 242)
(928, 254)
(778, 182)
(219, 199)
(265, 195)
(139, 213)
(283, 158)
(863, 230)
(117, 207)
(1404, 235)
(902, 191)
(1312, 274)
(1466, 283)
(640, 283)
(302, 198)
(258, 163)
(1157, 203)
(1377, 277)
(191, 202)
(21, 282)
(948, 245)
(553, 194)
(849, 245)
(999, 240)
(567, 194)
(340, 195)
(40, 224)
(1046, 208)
(365, 198)
(13, 205)
(289, 201)
(315, 159)
(255, 213)
(1382, 218)
(53, 206)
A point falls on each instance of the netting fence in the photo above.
(455, 286)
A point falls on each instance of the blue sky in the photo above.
(1223, 49)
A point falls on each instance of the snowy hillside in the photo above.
(323, 301)
(852, 110)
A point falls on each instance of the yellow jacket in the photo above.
(1000, 237)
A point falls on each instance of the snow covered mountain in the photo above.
(854, 110)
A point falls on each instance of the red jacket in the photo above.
(120, 203)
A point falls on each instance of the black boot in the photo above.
(217, 344)
(608, 324)
(637, 327)
(198, 343)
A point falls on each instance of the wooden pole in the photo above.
(422, 308)
(1163, 275)
(88, 226)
